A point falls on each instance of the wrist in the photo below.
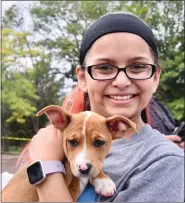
(49, 180)
(57, 187)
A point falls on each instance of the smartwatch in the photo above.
(38, 170)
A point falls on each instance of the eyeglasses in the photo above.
(109, 72)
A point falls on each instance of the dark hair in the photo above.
(117, 22)
(87, 106)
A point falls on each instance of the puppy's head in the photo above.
(87, 137)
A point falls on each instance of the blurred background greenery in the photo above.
(40, 49)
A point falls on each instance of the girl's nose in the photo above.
(121, 81)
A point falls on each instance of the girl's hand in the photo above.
(47, 145)
(177, 140)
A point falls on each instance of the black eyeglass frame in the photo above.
(89, 70)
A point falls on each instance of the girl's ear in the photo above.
(156, 78)
(81, 78)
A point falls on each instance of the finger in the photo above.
(59, 134)
(40, 130)
(51, 128)
(174, 138)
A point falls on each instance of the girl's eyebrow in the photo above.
(109, 60)
(137, 58)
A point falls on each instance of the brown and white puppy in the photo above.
(87, 138)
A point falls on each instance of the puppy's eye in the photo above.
(99, 143)
(73, 142)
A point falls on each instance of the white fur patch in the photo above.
(84, 129)
(81, 157)
(83, 183)
(104, 186)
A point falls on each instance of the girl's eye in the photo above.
(138, 68)
(73, 143)
(104, 67)
(99, 143)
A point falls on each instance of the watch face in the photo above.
(35, 173)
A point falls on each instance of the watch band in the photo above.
(52, 167)
(38, 170)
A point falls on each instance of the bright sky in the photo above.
(6, 5)
(23, 5)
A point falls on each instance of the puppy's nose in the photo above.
(85, 170)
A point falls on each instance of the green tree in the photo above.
(29, 82)
(172, 54)
(16, 89)
(64, 22)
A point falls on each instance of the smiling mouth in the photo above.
(121, 98)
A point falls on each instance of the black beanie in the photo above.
(117, 22)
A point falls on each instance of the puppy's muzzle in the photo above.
(84, 170)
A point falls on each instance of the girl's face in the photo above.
(119, 96)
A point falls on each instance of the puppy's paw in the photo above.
(104, 186)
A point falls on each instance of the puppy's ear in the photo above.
(118, 124)
(57, 116)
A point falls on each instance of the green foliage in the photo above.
(28, 81)
(17, 91)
